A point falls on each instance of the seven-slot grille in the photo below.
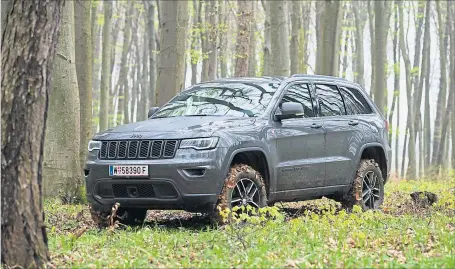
(138, 149)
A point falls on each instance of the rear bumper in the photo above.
(188, 182)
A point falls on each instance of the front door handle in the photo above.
(353, 122)
(316, 125)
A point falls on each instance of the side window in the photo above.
(299, 93)
(330, 100)
(355, 102)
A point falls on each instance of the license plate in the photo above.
(129, 170)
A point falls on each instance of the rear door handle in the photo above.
(353, 122)
(316, 125)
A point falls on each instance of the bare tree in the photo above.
(84, 60)
(242, 52)
(296, 24)
(328, 63)
(172, 49)
(62, 171)
(28, 48)
(105, 66)
(280, 40)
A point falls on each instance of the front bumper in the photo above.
(191, 181)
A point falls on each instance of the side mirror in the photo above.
(152, 111)
(290, 110)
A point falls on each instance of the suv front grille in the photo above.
(138, 149)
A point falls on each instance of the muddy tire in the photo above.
(242, 186)
(126, 216)
(367, 190)
(131, 216)
(101, 219)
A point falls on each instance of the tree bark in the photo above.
(28, 48)
(151, 31)
(410, 119)
(195, 41)
(280, 41)
(330, 39)
(268, 61)
(223, 24)
(441, 104)
(5, 9)
(242, 50)
(252, 65)
(61, 166)
(105, 66)
(172, 54)
(381, 30)
(360, 18)
(371, 16)
(84, 60)
(296, 23)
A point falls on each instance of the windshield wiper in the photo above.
(198, 115)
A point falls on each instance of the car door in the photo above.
(343, 135)
(299, 145)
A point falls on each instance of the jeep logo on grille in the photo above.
(136, 136)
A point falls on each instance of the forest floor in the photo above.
(310, 234)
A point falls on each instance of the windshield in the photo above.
(224, 99)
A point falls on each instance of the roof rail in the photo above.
(317, 76)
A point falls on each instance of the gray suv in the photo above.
(244, 141)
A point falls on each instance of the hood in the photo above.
(174, 127)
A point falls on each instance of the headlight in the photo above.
(199, 143)
(92, 145)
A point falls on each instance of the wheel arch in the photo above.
(256, 157)
(376, 152)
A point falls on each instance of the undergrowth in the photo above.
(306, 234)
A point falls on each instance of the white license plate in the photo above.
(129, 170)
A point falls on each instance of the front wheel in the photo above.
(367, 189)
(242, 187)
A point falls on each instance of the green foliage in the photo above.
(320, 234)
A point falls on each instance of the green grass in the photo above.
(401, 235)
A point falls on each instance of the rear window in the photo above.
(355, 101)
(330, 100)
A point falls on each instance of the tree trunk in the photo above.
(28, 48)
(441, 104)
(268, 61)
(213, 46)
(410, 119)
(61, 166)
(372, 40)
(223, 20)
(381, 30)
(280, 41)
(145, 79)
(105, 66)
(252, 65)
(84, 60)
(242, 50)
(296, 23)
(172, 54)
(195, 41)
(304, 37)
(331, 21)
(360, 19)
(151, 9)
(452, 81)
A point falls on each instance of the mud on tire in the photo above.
(368, 173)
(126, 216)
(239, 173)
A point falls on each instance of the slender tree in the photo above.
(223, 30)
(252, 64)
(242, 52)
(296, 24)
(280, 41)
(267, 51)
(28, 48)
(360, 19)
(105, 67)
(328, 63)
(84, 62)
(62, 171)
(173, 44)
(151, 32)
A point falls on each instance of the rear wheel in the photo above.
(243, 186)
(367, 189)
(126, 216)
